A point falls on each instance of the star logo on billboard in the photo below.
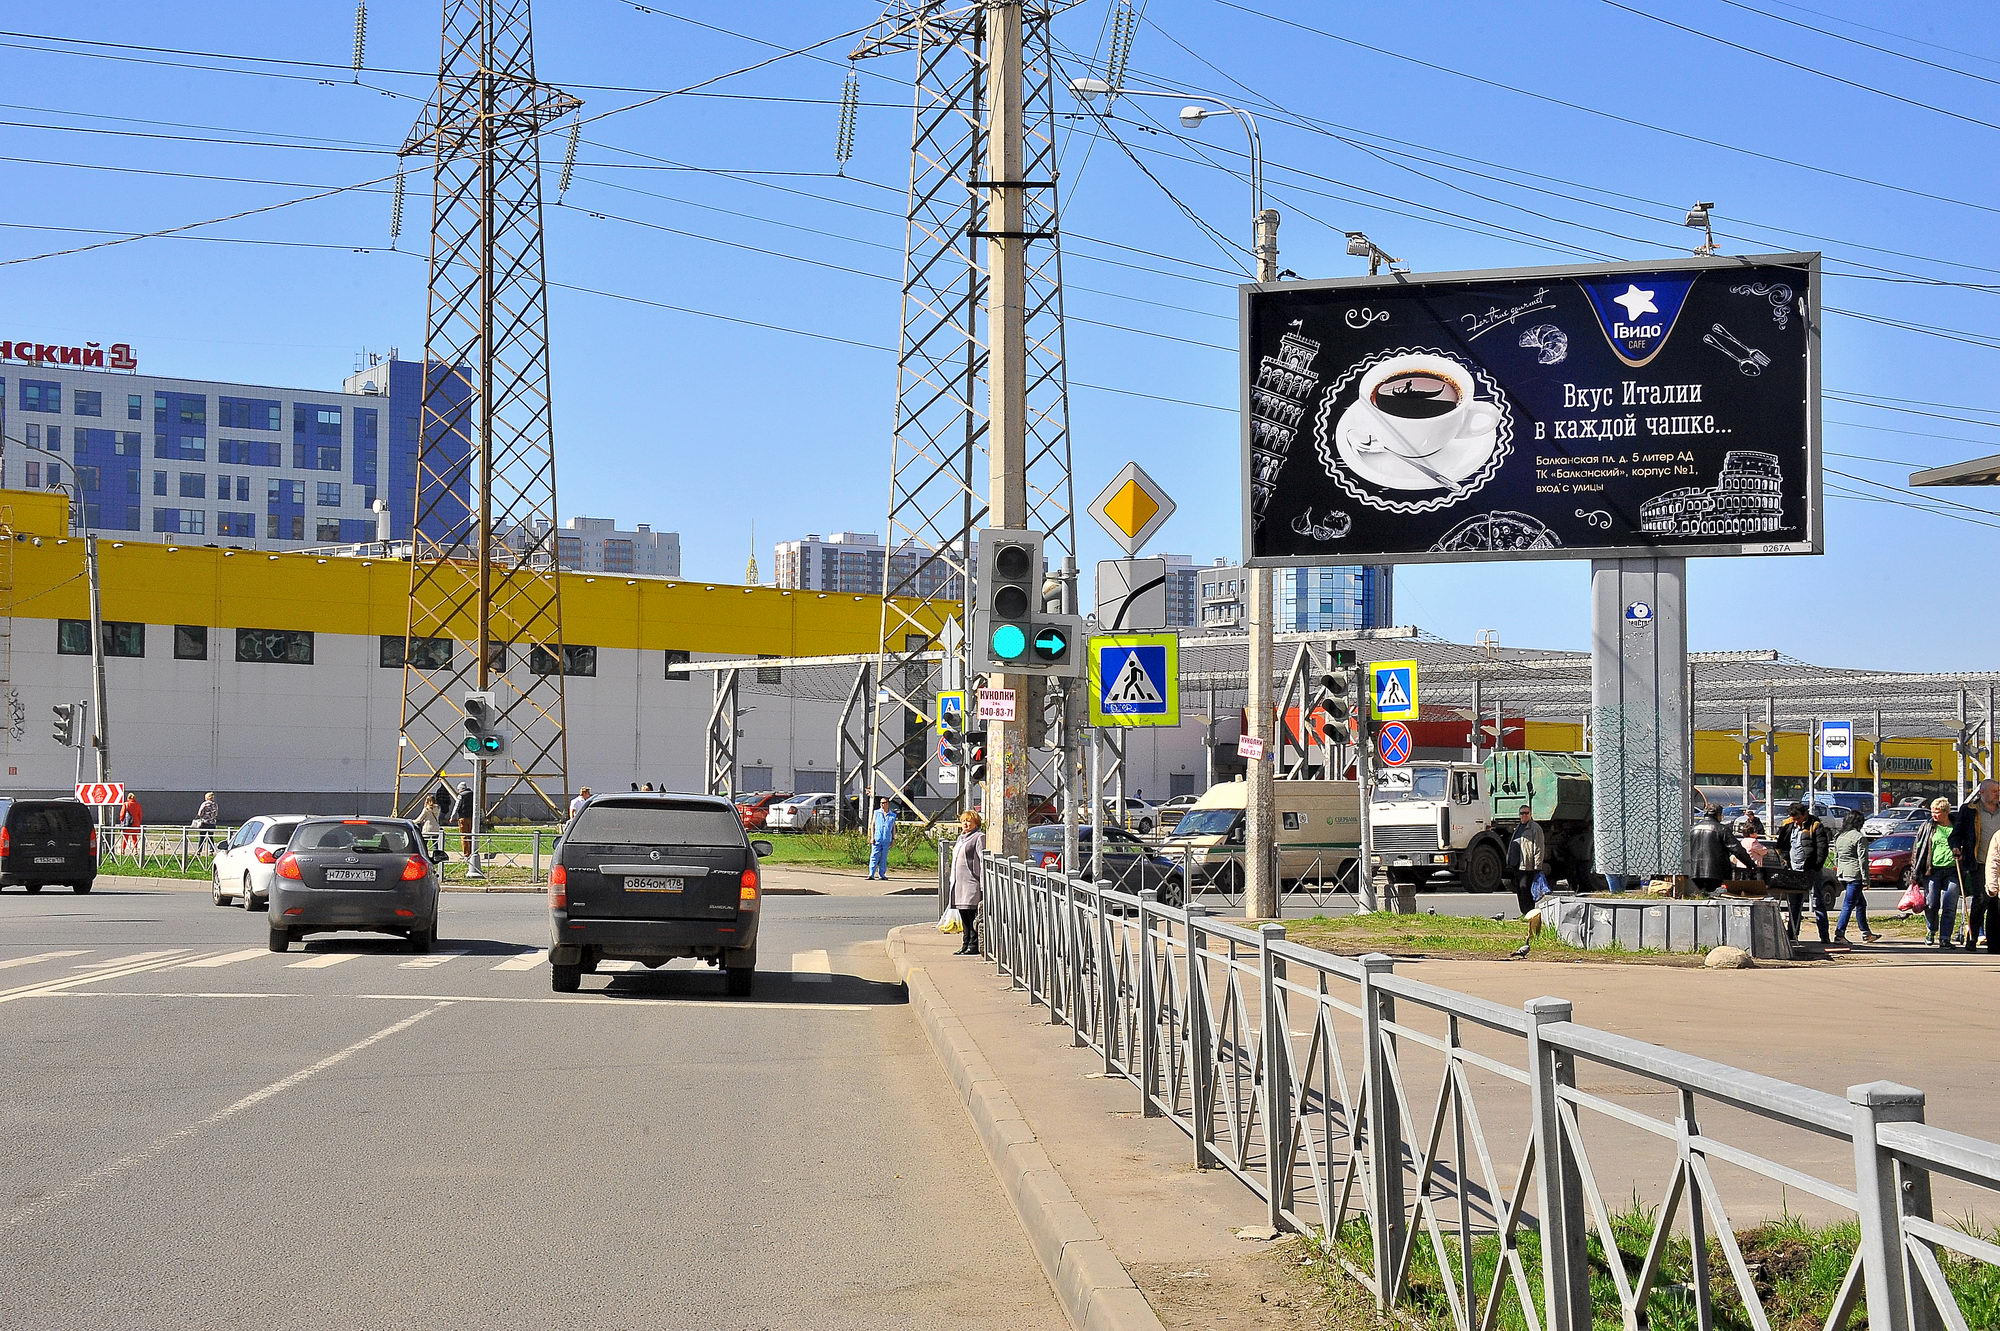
(1636, 303)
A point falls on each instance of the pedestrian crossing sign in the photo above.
(1135, 679)
(1392, 691)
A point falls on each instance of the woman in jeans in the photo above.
(1850, 865)
(1935, 868)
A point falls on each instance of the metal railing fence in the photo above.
(1449, 1149)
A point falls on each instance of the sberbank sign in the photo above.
(1915, 766)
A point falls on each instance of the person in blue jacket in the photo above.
(881, 834)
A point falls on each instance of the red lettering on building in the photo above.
(90, 355)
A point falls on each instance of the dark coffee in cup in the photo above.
(1416, 395)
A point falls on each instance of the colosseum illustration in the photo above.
(1743, 501)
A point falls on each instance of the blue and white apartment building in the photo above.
(193, 461)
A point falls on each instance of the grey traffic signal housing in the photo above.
(1011, 632)
(65, 724)
(482, 727)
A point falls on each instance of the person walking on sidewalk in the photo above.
(1972, 833)
(1527, 855)
(461, 810)
(881, 835)
(1803, 842)
(1992, 891)
(1711, 847)
(1850, 867)
(1934, 866)
(205, 819)
(968, 886)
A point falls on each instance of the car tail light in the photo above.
(7, 841)
(265, 855)
(402, 914)
(288, 867)
(559, 887)
(296, 910)
(93, 840)
(746, 896)
(414, 868)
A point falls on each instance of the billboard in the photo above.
(1633, 410)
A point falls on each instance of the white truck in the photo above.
(1318, 833)
(1434, 819)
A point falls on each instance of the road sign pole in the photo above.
(1364, 786)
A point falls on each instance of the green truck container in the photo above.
(1554, 786)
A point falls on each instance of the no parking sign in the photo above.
(1394, 744)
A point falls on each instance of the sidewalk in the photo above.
(1130, 1233)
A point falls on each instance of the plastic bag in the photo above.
(1913, 900)
(949, 923)
(1539, 888)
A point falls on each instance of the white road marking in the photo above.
(527, 961)
(96, 975)
(607, 1000)
(43, 956)
(125, 1164)
(131, 959)
(434, 959)
(228, 958)
(813, 966)
(325, 959)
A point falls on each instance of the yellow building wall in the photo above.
(152, 583)
(1719, 752)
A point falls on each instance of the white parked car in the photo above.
(801, 812)
(243, 868)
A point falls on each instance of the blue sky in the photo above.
(702, 425)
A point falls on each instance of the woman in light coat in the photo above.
(968, 887)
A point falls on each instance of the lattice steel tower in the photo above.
(483, 567)
(938, 470)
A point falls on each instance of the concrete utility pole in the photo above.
(1260, 858)
(100, 720)
(1007, 390)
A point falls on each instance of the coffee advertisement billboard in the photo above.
(1581, 412)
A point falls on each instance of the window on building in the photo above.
(236, 524)
(85, 402)
(274, 646)
(34, 474)
(329, 494)
(120, 638)
(425, 653)
(618, 556)
(316, 457)
(248, 452)
(284, 527)
(127, 445)
(577, 660)
(32, 433)
(190, 642)
(569, 551)
(249, 413)
(193, 410)
(496, 657)
(159, 482)
(180, 521)
(770, 674)
(242, 489)
(54, 443)
(90, 478)
(327, 532)
(134, 407)
(194, 485)
(675, 660)
(41, 395)
(278, 490)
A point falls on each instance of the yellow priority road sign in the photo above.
(1132, 508)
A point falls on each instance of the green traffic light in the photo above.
(1008, 642)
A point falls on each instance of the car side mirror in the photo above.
(441, 857)
(762, 848)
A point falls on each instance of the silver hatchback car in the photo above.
(355, 873)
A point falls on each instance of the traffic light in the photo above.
(1336, 693)
(1012, 632)
(482, 727)
(975, 756)
(951, 745)
(65, 727)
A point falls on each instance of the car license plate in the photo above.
(640, 884)
(350, 875)
(48, 859)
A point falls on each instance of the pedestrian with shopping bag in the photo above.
(1935, 867)
(968, 887)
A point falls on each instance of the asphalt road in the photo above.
(207, 1134)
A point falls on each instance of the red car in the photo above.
(755, 809)
(1889, 858)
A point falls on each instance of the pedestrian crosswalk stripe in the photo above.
(527, 961)
(812, 967)
(42, 956)
(228, 958)
(434, 959)
(324, 960)
(129, 959)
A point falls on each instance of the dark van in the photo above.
(47, 841)
(649, 878)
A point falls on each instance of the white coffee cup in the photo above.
(1424, 402)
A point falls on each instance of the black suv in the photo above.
(650, 878)
(47, 841)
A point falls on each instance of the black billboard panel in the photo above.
(1600, 412)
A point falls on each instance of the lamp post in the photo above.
(1260, 880)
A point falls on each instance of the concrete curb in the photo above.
(1091, 1284)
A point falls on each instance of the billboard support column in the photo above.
(1770, 759)
(1639, 715)
(1875, 761)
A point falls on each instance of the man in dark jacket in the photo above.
(1803, 843)
(461, 809)
(1711, 846)
(1972, 833)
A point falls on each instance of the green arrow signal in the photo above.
(1052, 644)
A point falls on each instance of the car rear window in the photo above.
(361, 837)
(657, 823)
(277, 834)
(48, 820)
